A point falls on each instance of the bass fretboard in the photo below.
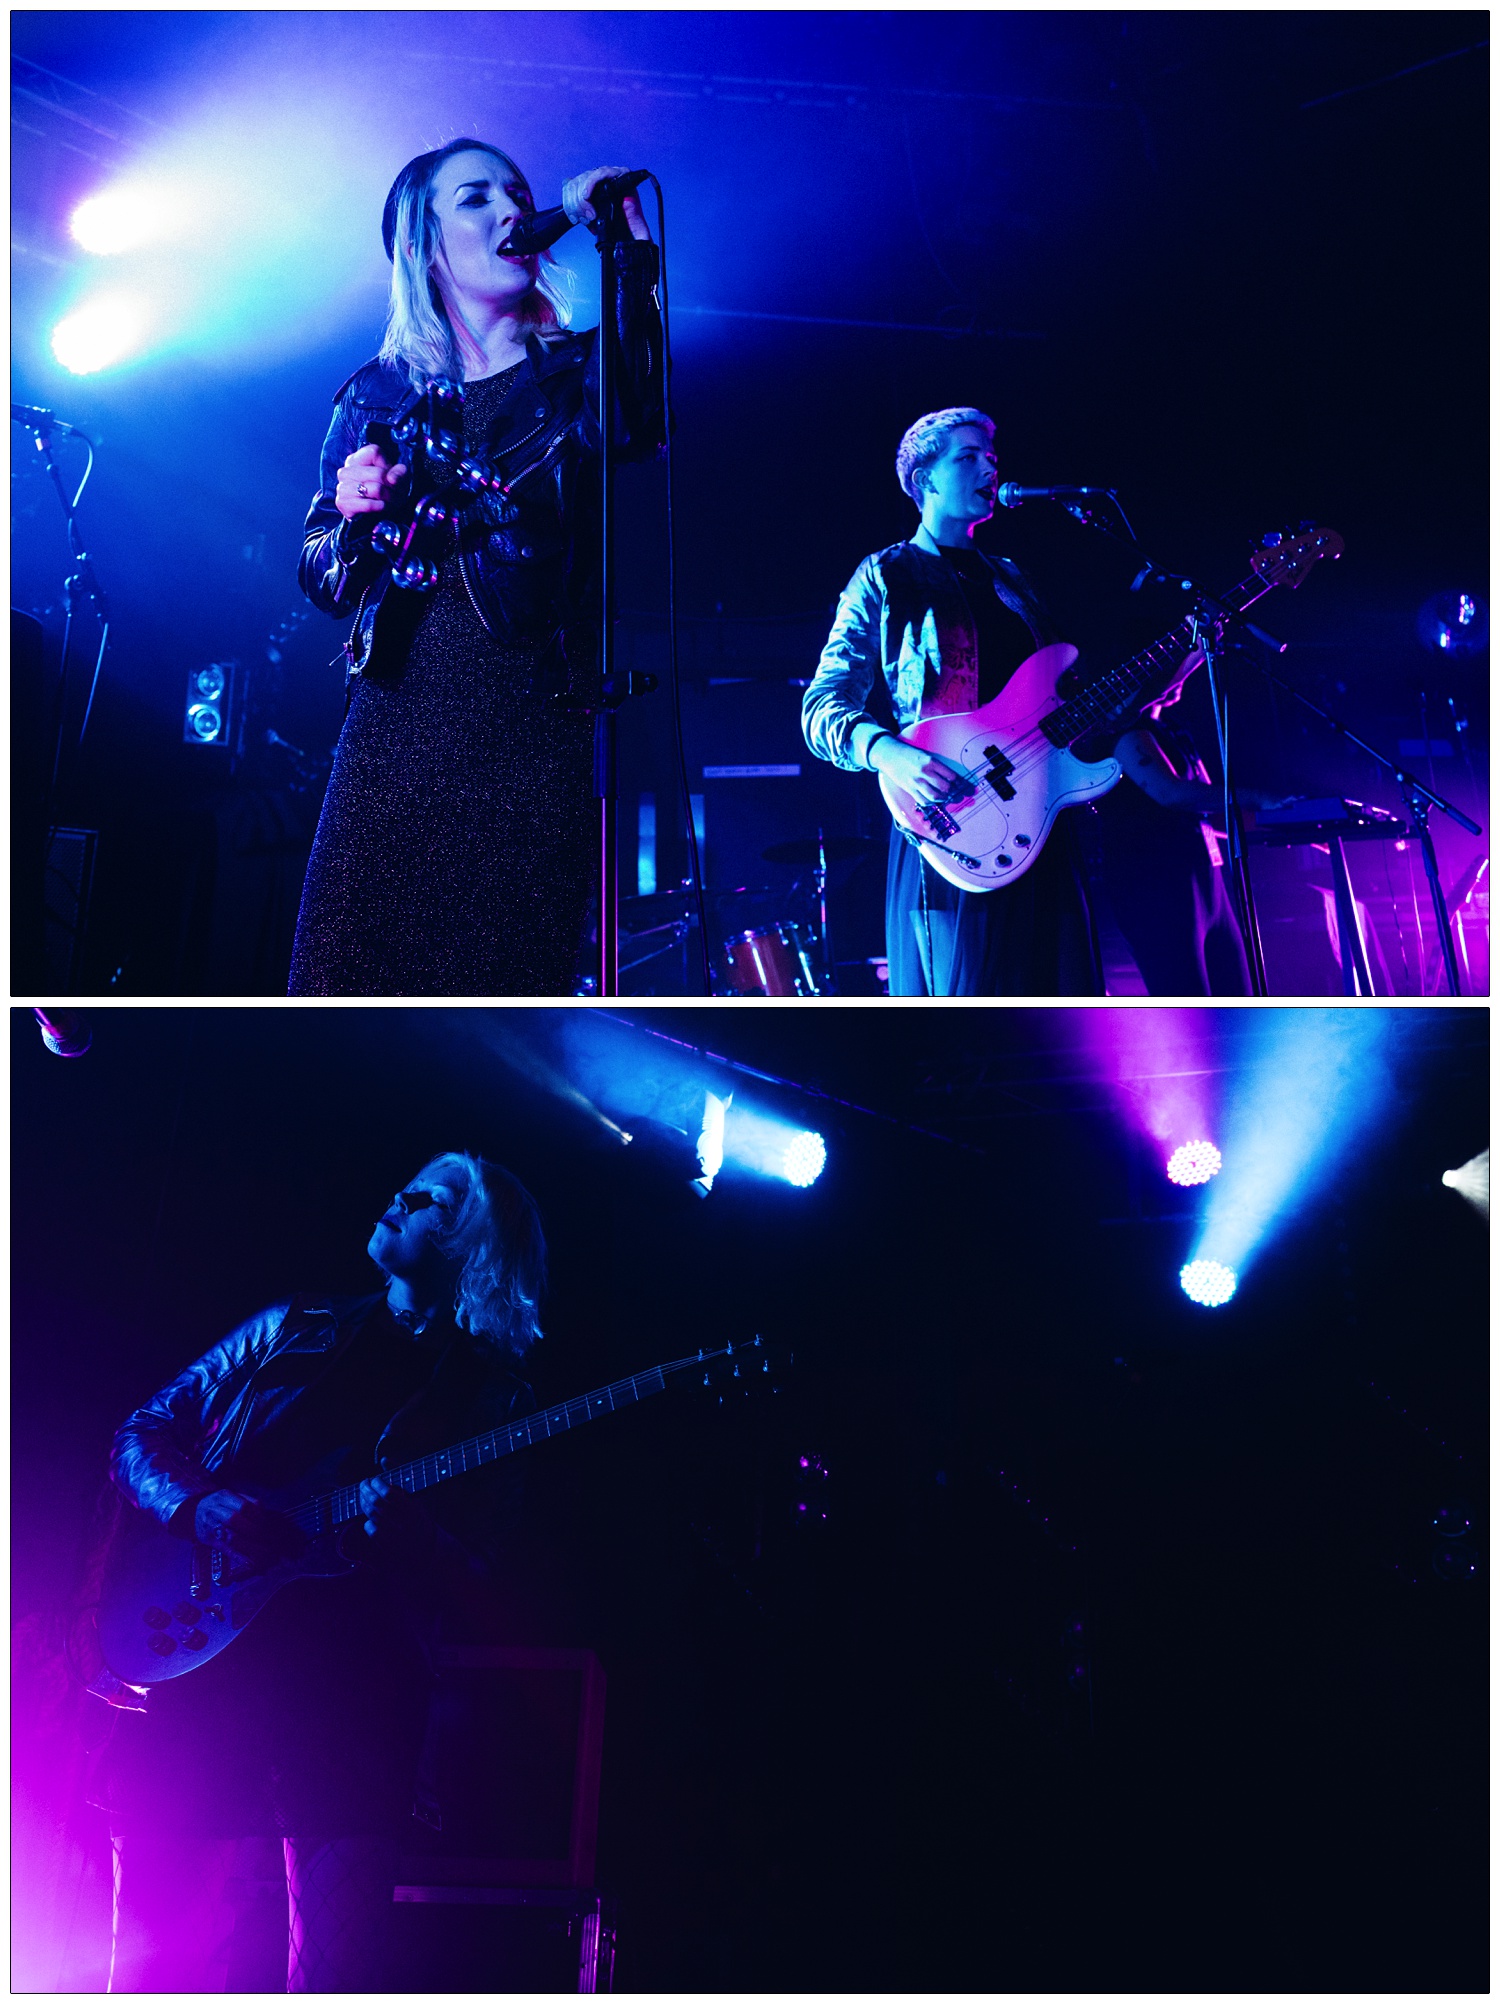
(1123, 687)
(320, 1514)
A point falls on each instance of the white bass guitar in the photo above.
(1013, 756)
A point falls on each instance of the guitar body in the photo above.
(1019, 781)
(168, 1605)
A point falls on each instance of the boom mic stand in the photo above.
(1420, 799)
(1207, 616)
(81, 584)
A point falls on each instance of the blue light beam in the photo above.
(1320, 1081)
(770, 1147)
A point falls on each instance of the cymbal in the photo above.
(837, 849)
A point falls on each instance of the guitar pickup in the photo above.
(1000, 769)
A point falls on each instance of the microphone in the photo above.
(36, 420)
(1011, 496)
(65, 1033)
(541, 231)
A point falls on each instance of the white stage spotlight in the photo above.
(99, 334)
(1208, 1282)
(1193, 1162)
(803, 1158)
(1472, 1182)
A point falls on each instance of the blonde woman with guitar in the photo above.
(304, 1724)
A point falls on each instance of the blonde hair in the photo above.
(497, 1233)
(927, 441)
(419, 336)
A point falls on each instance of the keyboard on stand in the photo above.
(1332, 821)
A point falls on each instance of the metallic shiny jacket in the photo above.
(529, 561)
(184, 1442)
(898, 619)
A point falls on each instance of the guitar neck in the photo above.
(1116, 692)
(342, 1506)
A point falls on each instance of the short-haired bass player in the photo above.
(935, 627)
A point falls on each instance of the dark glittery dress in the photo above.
(455, 851)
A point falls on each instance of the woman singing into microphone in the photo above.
(455, 851)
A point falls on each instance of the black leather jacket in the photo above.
(898, 620)
(529, 562)
(184, 1442)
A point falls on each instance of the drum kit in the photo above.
(785, 956)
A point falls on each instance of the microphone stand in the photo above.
(612, 231)
(820, 885)
(1420, 799)
(1205, 618)
(83, 583)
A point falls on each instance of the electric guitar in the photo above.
(1013, 756)
(168, 1604)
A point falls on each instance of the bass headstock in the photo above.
(738, 1369)
(1285, 556)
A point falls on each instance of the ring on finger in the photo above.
(363, 491)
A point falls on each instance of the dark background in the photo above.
(1110, 1654)
(1232, 264)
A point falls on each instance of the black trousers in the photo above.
(1035, 937)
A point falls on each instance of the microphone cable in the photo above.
(695, 865)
